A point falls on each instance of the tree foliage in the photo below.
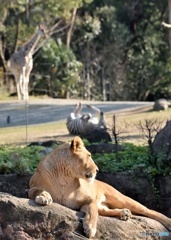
(122, 46)
(60, 68)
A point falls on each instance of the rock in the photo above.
(164, 183)
(129, 183)
(161, 104)
(14, 184)
(23, 219)
(97, 135)
(49, 143)
(162, 144)
(45, 151)
(103, 148)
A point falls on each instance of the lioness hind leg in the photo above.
(139, 209)
(159, 217)
(40, 196)
(124, 214)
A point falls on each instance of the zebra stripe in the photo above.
(80, 124)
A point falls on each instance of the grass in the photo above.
(40, 132)
(127, 124)
(133, 158)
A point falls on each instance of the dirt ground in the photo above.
(133, 126)
(127, 125)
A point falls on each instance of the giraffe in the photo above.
(21, 62)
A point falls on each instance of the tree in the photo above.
(60, 70)
(121, 44)
(131, 45)
(19, 20)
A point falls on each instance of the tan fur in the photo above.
(66, 176)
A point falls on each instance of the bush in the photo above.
(19, 160)
(130, 158)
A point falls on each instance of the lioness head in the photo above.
(84, 164)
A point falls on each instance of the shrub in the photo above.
(19, 160)
(130, 158)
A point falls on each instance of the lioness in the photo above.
(67, 176)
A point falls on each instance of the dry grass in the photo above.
(127, 124)
(33, 133)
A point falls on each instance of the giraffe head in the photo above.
(43, 30)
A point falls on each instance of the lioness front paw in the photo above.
(44, 198)
(89, 229)
(125, 214)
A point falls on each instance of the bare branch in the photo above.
(54, 27)
(149, 129)
(51, 32)
(118, 130)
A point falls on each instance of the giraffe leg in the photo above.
(18, 85)
(24, 83)
(26, 90)
(18, 91)
(27, 75)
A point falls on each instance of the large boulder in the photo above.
(128, 183)
(162, 144)
(23, 219)
(161, 104)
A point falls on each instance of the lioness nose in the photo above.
(97, 170)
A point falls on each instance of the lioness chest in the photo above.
(74, 198)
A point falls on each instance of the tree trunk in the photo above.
(169, 4)
(69, 34)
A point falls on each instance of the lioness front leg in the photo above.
(40, 196)
(90, 219)
(44, 198)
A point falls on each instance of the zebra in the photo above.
(99, 119)
(79, 123)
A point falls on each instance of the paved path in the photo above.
(53, 110)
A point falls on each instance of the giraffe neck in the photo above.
(31, 44)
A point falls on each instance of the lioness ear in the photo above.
(76, 143)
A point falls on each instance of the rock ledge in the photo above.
(23, 219)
